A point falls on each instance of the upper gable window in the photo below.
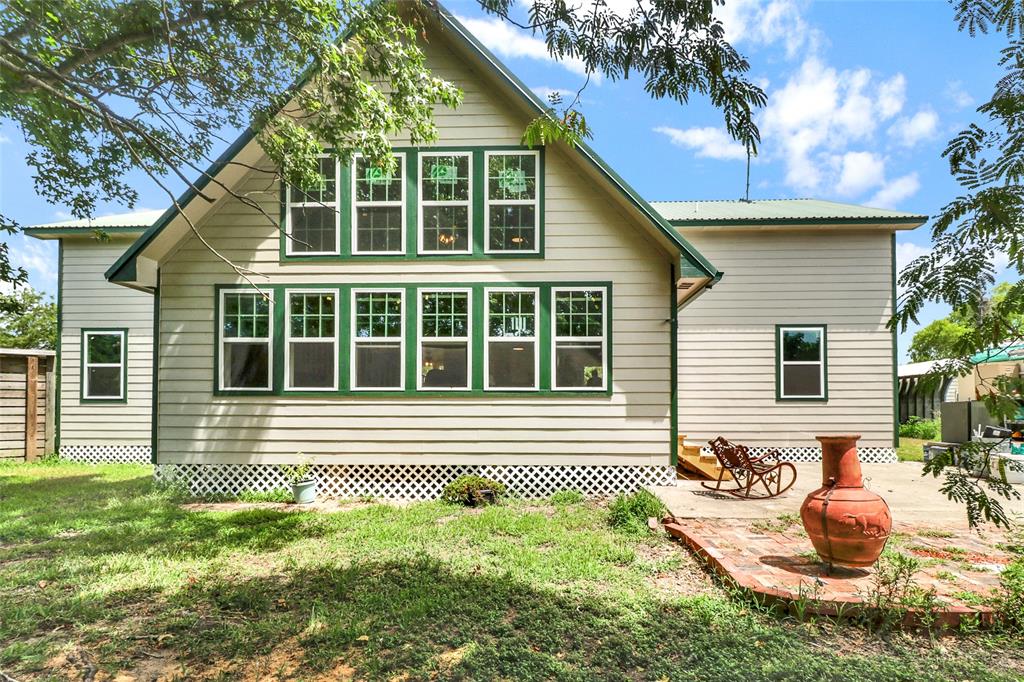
(446, 202)
(312, 227)
(378, 208)
(512, 204)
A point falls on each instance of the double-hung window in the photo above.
(312, 227)
(105, 360)
(446, 206)
(246, 342)
(378, 356)
(444, 348)
(801, 359)
(580, 338)
(512, 202)
(311, 340)
(378, 207)
(511, 357)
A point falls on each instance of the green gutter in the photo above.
(754, 222)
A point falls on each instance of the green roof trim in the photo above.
(779, 212)
(696, 265)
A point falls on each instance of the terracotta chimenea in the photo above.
(848, 524)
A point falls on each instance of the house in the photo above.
(520, 313)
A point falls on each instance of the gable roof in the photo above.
(693, 264)
(130, 223)
(739, 212)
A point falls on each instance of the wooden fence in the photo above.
(27, 403)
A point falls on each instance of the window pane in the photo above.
(246, 316)
(312, 315)
(311, 365)
(579, 365)
(445, 228)
(512, 227)
(379, 228)
(802, 345)
(104, 348)
(104, 382)
(378, 314)
(445, 314)
(579, 313)
(511, 313)
(445, 365)
(801, 380)
(313, 229)
(377, 184)
(378, 365)
(445, 178)
(323, 191)
(246, 365)
(511, 364)
(512, 176)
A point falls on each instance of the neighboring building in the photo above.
(104, 406)
(921, 395)
(793, 342)
(492, 308)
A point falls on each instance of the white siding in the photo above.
(89, 301)
(727, 337)
(587, 238)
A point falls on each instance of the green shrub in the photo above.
(473, 490)
(1010, 602)
(925, 429)
(630, 512)
(567, 497)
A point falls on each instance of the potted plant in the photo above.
(300, 477)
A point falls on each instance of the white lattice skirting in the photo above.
(813, 454)
(106, 454)
(415, 481)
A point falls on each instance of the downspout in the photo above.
(674, 365)
(60, 344)
(156, 371)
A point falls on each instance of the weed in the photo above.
(566, 497)
(473, 490)
(780, 524)
(629, 513)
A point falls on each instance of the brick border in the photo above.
(949, 618)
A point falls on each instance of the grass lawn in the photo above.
(100, 573)
(911, 449)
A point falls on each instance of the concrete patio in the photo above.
(912, 498)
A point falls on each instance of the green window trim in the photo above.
(412, 235)
(822, 329)
(411, 341)
(84, 365)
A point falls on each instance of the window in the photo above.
(511, 348)
(245, 325)
(445, 210)
(444, 318)
(312, 227)
(512, 202)
(378, 208)
(105, 359)
(579, 338)
(311, 340)
(377, 353)
(801, 356)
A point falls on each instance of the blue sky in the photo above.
(863, 97)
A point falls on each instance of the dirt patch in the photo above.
(318, 506)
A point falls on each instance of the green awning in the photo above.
(1002, 354)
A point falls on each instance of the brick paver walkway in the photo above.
(776, 561)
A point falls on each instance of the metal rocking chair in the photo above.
(751, 474)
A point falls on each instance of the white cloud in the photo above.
(766, 22)
(859, 172)
(510, 42)
(958, 95)
(544, 92)
(819, 112)
(907, 252)
(709, 143)
(896, 191)
(908, 131)
(38, 258)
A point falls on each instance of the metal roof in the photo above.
(135, 219)
(778, 212)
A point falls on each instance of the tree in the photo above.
(987, 219)
(33, 324)
(99, 87)
(938, 341)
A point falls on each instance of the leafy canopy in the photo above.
(31, 324)
(101, 87)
